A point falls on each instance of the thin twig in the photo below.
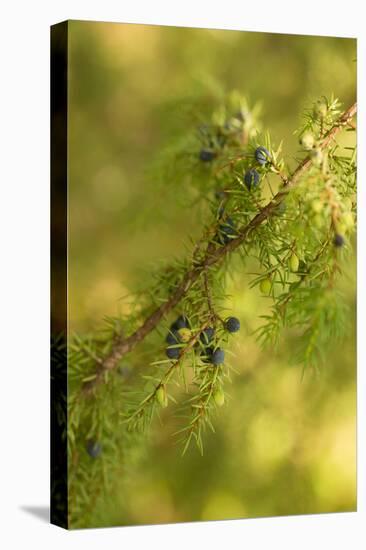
(208, 295)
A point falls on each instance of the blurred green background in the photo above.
(284, 444)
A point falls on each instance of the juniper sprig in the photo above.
(177, 333)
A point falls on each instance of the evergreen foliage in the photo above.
(172, 352)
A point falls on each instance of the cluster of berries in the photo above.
(180, 333)
(217, 137)
(211, 353)
(251, 176)
(227, 231)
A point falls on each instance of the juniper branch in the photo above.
(213, 256)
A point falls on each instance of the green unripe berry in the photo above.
(184, 334)
(316, 156)
(294, 262)
(162, 397)
(317, 205)
(265, 286)
(219, 397)
(307, 141)
(340, 227)
(320, 109)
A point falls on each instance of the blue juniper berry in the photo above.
(218, 356)
(172, 338)
(251, 178)
(207, 335)
(232, 324)
(207, 155)
(262, 155)
(181, 322)
(215, 356)
(93, 448)
(227, 231)
(172, 353)
(206, 354)
(338, 240)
